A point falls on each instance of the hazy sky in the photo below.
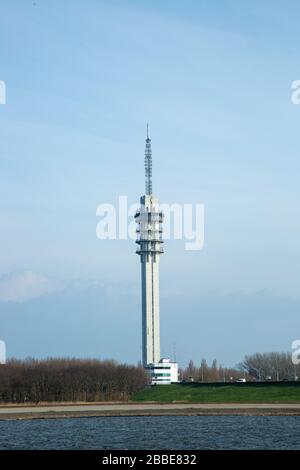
(214, 80)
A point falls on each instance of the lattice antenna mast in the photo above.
(148, 164)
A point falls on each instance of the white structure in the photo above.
(2, 352)
(163, 373)
(149, 238)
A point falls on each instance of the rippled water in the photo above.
(152, 432)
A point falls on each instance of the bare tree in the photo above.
(275, 366)
(69, 380)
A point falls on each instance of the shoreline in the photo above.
(47, 411)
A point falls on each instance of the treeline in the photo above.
(59, 380)
(272, 366)
(210, 373)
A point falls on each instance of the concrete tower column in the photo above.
(149, 238)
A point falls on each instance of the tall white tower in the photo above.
(149, 238)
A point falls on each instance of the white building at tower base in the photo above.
(164, 372)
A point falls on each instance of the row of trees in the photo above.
(275, 366)
(209, 373)
(68, 380)
(271, 366)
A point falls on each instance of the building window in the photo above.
(160, 375)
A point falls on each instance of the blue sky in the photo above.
(214, 80)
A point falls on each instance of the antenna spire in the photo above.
(148, 163)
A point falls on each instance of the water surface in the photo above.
(153, 433)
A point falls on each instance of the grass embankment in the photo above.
(237, 393)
